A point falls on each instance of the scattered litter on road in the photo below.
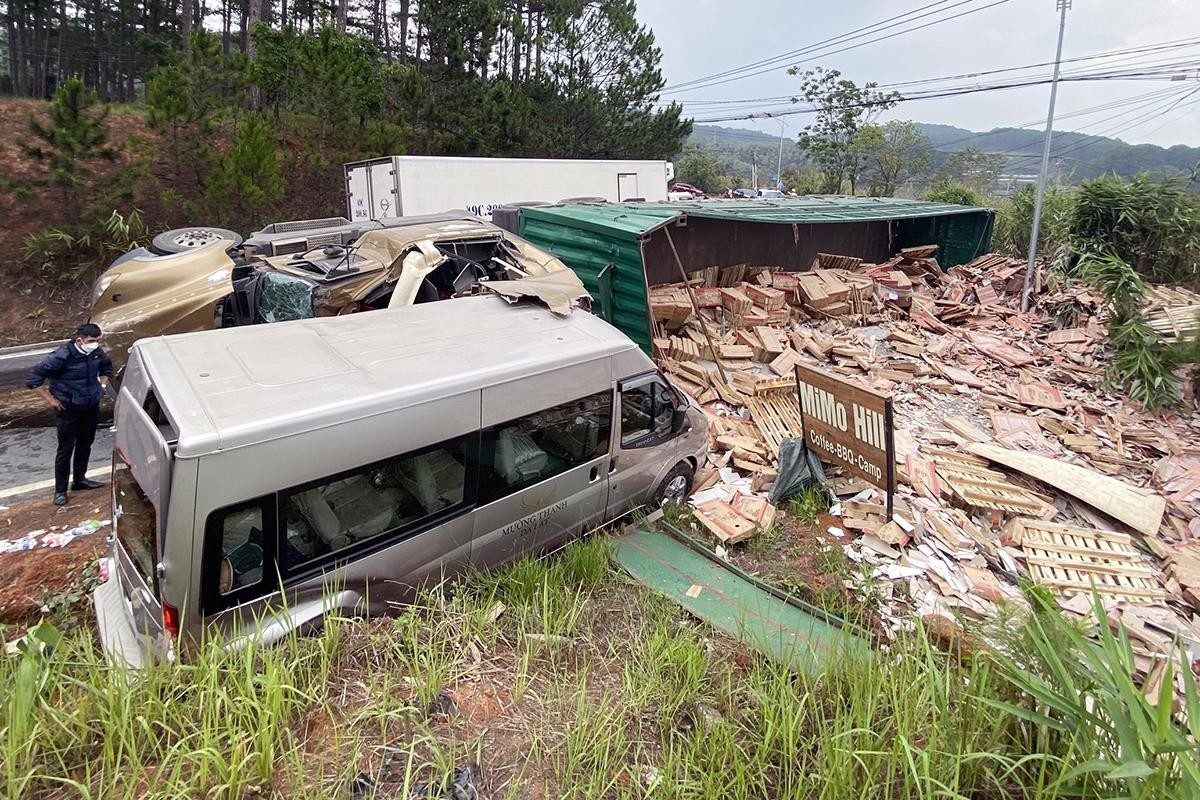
(41, 538)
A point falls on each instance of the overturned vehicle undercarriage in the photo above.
(318, 268)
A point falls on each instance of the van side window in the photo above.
(239, 545)
(647, 414)
(371, 501)
(241, 532)
(530, 449)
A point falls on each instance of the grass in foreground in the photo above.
(557, 678)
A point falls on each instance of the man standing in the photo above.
(78, 372)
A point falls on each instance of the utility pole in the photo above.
(779, 164)
(1062, 7)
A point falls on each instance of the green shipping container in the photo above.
(619, 249)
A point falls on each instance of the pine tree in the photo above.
(76, 135)
(246, 182)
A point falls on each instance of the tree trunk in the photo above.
(246, 24)
(387, 31)
(341, 15)
(226, 25)
(528, 40)
(185, 20)
(404, 10)
(517, 37)
(537, 43)
(14, 50)
(64, 35)
(254, 10)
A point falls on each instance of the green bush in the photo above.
(947, 191)
(1014, 221)
(1151, 225)
(74, 251)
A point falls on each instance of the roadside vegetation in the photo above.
(560, 678)
(168, 124)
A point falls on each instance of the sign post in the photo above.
(849, 426)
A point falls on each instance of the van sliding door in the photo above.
(542, 477)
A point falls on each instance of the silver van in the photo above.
(254, 468)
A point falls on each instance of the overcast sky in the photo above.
(702, 37)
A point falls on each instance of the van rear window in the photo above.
(135, 522)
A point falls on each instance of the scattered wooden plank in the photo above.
(963, 427)
(1139, 511)
(785, 363)
(1041, 395)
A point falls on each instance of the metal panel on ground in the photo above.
(734, 605)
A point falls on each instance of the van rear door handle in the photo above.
(612, 466)
(595, 475)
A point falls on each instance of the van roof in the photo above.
(238, 386)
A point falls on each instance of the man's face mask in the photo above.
(88, 347)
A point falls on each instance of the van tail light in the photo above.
(102, 572)
(171, 620)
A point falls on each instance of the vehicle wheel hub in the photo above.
(673, 492)
(194, 238)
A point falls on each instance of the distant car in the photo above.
(771, 194)
(687, 188)
(745, 193)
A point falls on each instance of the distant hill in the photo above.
(1076, 156)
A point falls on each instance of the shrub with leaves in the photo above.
(1152, 225)
(1014, 221)
(947, 191)
(1140, 361)
(77, 133)
(75, 251)
(1077, 687)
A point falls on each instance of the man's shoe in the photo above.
(60, 498)
(86, 484)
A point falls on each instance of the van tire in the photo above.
(179, 240)
(675, 487)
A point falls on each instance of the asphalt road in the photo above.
(27, 460)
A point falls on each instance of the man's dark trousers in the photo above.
(76, 432)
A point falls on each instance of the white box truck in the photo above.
(404, 186)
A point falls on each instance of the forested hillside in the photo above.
(1077, 156)
(238, 113)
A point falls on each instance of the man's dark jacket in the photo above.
(73, 375)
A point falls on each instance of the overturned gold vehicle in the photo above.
(205, 278)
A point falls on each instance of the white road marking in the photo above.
(30, 488)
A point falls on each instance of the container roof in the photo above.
(641, 218)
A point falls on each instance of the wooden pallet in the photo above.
(976, 485)
(776, 414)
(1071, 559)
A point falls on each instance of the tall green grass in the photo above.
(611, 692)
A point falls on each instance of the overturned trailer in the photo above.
(619, 250)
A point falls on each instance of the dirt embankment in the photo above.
(49, 576)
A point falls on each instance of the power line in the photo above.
(1123, 53)
(954, 92)
(794, 53)
(700, 84)
(1138, 99)
(1174, 70)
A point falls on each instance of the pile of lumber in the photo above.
(1013, 457)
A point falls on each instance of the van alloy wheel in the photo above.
(675, 487)
(675, 492)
